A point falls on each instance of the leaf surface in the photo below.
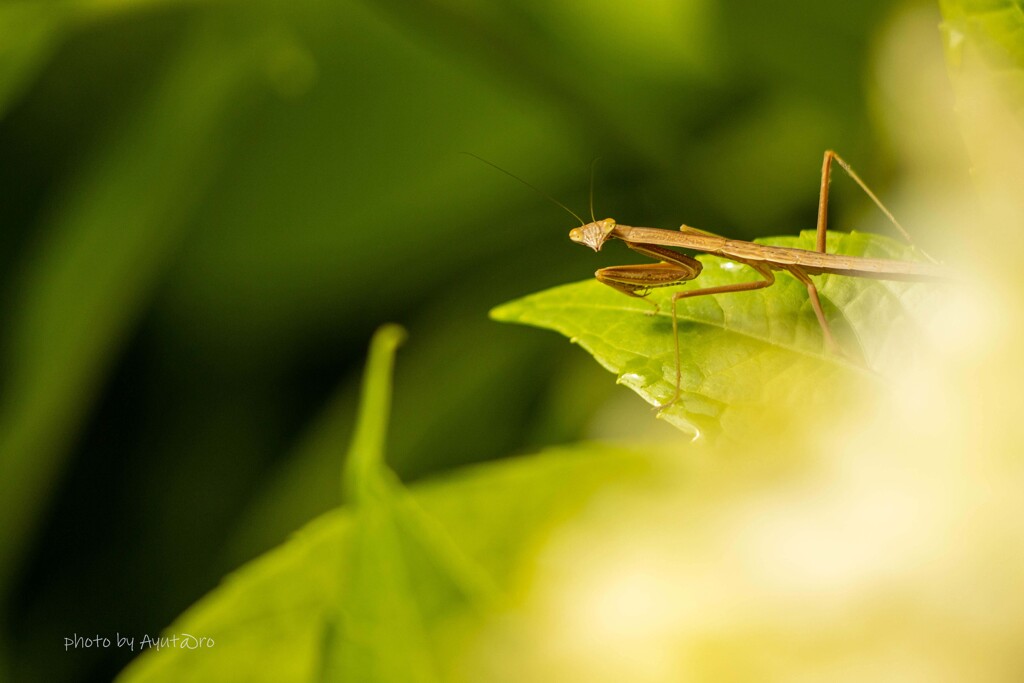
(276, 618)
(747, 358)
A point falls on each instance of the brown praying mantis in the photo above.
(674, 268)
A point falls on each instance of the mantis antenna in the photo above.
(539, 191)
(593, 165)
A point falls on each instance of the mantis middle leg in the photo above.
(768, 279)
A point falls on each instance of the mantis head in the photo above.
(594, 235)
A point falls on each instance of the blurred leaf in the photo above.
(302, 487)
(364, 474)
(748, 357)
(385, 591)
(30, 33)
(403, 569)
(993, 32)
(269, 619)
(984, 47)
(110, 237)
(555, 50)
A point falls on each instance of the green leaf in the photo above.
(276, 619)
(364, 466)
(405, 570)
(750, 358)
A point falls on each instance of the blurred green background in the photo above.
(206, 208)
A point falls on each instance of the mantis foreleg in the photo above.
(674, 268)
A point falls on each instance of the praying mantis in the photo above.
(673, 268)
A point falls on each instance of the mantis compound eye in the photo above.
(576, 234)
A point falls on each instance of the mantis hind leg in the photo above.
(822, 228)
